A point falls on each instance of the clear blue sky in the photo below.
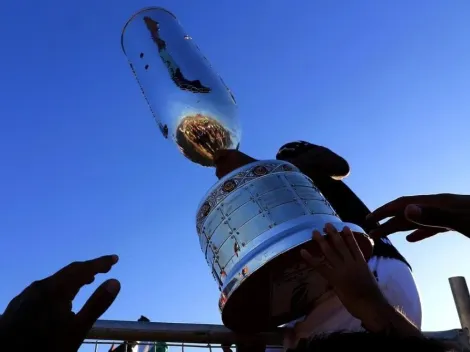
(85, 171)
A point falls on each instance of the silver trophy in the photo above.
(188, 100)
(253, 222)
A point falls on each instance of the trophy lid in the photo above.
(187, 98)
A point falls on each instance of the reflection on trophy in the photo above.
(254, 220)
(188, 100)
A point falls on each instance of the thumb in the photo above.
(449, 219)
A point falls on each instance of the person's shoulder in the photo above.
(314, 159)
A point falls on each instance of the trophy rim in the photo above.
(239, 285)
(135, 14)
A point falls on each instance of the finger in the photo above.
(422, 234)
(443, 218)
(338, 242)
(96, 305)
(352, 244)
(74, 276)
(330, 254)
(398, 205)
(395, 224)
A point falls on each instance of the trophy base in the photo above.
(251, 226)
(277, 287)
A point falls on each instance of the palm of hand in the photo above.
(356, 287)
(41, 317)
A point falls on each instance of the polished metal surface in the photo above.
(187, 98)
(249, 221)
(118, 330)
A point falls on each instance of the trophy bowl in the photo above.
(187, 98)
(251, 227)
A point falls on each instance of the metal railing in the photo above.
(199, 335)
(185, 337)
(105, 346)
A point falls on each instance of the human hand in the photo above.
(41, 317)
(228, 160)
(427, 215)
(344, 267)
(314, 160)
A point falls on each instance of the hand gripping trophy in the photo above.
(253, 222)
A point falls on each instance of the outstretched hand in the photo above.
(344, 267)
(342, 264)
(346, 270)
(427, 215)
(41, 316)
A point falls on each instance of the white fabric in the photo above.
(398, 286)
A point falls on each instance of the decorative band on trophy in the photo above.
(250, 226)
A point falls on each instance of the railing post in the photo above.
(459, 288)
